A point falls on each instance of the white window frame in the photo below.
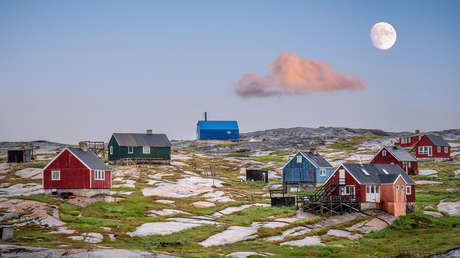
(111, 150)
(130, 148)
(384, 153)
(299, 159)
(99, 174)
(446, 149)
(408, 190)
(425, 150)
(347, 190)
(59, 175)
(145, 149)
(322, 172)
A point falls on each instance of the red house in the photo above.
(398, 156)
(409, 141)
(78, 171)
(376, 186)
(432, 147)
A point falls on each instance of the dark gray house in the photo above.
(19, 155)
(139, 148)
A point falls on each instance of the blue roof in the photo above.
(218, 125)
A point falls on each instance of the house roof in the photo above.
(376, 174)
(316, 159)
(142, 139)
(437, 140)
(400, 154)
(90, 159)
(217, 125)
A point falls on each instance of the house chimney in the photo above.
(149, 131)
(83, 146)
(205, 116)
(417, 131)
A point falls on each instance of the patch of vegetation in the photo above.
(269, 158)
(69, 209)
(255, 213)
(40, 198)
(350, 144)
(238, 155)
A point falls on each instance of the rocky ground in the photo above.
(201, 206)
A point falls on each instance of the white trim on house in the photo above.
(52, 175)
(99, 174)
(408, 189)
(313, 163)
(59, 154)
(111, 149)
(132, 149)
(145, 149)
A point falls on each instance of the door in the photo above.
(372, 193)
(341, 177)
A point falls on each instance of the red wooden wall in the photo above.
(435, 154)
(389, 158)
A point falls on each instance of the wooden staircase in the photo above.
(324, 201)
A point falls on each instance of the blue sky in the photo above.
(80, 70)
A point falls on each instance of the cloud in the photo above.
(289, 74)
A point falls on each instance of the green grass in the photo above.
(350, 144)
(255, 213)
(40, 198)
(269, 158)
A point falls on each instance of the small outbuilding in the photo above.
(217, 130)
(139, 148)
(255, 174)
(19, 155)
(432, 147)
(305, 169)
(77, 171)
(375, 186)
(398, 156)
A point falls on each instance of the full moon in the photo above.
(383, 35)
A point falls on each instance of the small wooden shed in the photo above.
(19, 155)
(256, 174)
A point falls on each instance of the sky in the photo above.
(82, 70)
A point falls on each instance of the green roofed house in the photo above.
(139, 148)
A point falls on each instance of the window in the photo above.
(425, 150)
(446, 149)
(409, 139)
(130, 150)
(408, 189)
(146, 149)
(409, 163)
(229, 132)
(402, 187)
(397, 187)
(384, 171)
(111, 150)
(56, 175)
(439, 149)
(364, 171)
(403, 140)
(322, 172)
(299, 159)
(348, 190)
(99, 174)
(384, 153)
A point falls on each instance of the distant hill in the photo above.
(40, 146)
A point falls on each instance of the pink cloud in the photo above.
(289, 74)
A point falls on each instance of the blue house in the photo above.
(306, 169)
(219, 130)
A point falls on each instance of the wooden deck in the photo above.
(324, 202)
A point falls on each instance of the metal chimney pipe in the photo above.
(205, 116)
